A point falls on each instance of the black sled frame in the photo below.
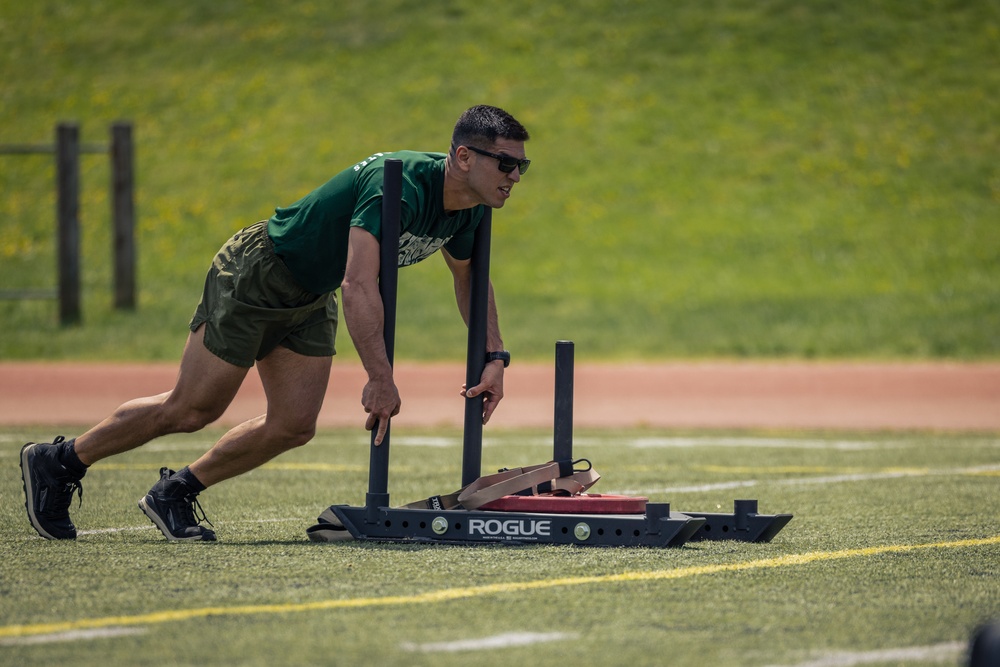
(659, 526)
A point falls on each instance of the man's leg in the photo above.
(206, 385)
(51, 472)
(295, 386)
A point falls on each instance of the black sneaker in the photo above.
(174, 508)
(48, 489)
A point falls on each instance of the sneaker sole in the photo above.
(29, 493)
(158, 522)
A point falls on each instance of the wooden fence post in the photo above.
(68, 216)
(123, 214)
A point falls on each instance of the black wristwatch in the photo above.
(502, 356)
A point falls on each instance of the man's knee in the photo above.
(301, 436)
(292, 435)
(188, 419)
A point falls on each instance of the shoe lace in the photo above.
(77, 487)
(63, 495)
(192, 512)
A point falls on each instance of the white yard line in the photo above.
(764, 443)
(695, 488)
(506, 640)
(72, 636)
(803, 481)
(936, 653)
(104, 531)
(427, 441)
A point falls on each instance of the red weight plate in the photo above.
(584, 503)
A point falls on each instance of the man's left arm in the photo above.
(491, 381)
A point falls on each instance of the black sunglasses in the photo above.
(507, 163)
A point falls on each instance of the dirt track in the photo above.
(711, 395)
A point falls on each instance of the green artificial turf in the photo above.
(894, 546)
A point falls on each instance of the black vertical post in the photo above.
(68, 216)
(392, 192)
(472, 448)
(562, 431)
(123, 214)
(742, 509)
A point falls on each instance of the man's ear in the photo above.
(461, 156)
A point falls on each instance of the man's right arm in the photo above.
(364, 314)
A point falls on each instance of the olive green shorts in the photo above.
(251, 304)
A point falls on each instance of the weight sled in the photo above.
(536, 518)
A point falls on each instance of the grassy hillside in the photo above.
(710, 179)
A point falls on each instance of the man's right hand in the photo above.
(381, 401)
(364, 316)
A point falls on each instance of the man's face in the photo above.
(485, 178)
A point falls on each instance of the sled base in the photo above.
(658, 527)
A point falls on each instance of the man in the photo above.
(269, 299)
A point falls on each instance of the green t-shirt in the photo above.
(311, 235)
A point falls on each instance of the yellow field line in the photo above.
(449, 594)
(323, 467)
(311, 467)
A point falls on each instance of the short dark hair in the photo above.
(482, 125)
